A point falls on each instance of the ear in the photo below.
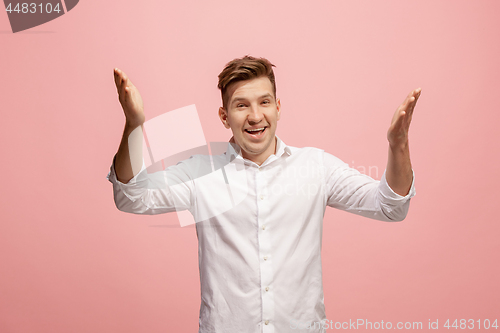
(278, 107)
(223, 117)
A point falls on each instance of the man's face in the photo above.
(252, 114)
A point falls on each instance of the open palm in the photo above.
(398, 131)
(130, 99)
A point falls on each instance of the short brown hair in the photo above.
(245, 68)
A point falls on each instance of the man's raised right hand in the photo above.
(130, 99)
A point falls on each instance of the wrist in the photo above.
(399, 146)
(130, 126)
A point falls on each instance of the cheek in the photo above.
(273, 118)
(236, 122)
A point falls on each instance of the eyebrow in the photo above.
(237, 99)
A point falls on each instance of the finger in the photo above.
(124, 88)
(120, 78)
(122, 81)
(399, 120)
(409, 109)
(413, 102)
(117, 78)
(124, 78)
(409, 99)
(404, 105)
(410, 103)
(414, 93)
(412, 107)
(128, 90)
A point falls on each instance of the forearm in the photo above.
(357, 193)
(399, 173)
(128, 161)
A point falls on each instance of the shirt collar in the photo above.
(233, 151)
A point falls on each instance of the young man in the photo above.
(259, 255)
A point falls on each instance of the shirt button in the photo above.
(261, 197)
(265, 257)
(263, 227)
(266, 322)
(267, 288)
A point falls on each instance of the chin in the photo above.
(258, 147)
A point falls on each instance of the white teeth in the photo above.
(255, 130)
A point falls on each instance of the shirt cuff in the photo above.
(112, 174)
(392, 196)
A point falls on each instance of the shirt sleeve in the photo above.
(164, 191)
(350, 190)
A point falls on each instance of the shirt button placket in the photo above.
(264, 239)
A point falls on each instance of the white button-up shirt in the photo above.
(260, 229)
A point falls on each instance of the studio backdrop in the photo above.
(71, 262)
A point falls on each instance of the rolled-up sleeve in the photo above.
(350, 190)
(164, 191)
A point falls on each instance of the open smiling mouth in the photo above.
(257, 132)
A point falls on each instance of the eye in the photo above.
(266, 101)
(241, 105)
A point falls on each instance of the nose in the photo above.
(255, 116)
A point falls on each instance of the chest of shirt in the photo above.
(283, 194)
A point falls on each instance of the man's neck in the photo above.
(256, 158)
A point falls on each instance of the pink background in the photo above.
(71, 262)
